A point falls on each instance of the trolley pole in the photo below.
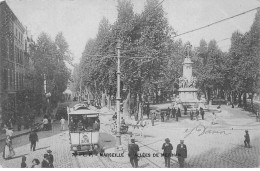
(118, 99)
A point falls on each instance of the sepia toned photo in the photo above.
(129, 84)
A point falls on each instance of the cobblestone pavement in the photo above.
(219, 145)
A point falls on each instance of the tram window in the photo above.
(84, 123)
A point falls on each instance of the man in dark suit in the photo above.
(167, 152)
(202, 113)
(179, 112)
(181, 153)
(191, 115)
(50, 158)
(33, 138)
(173, 112)
(132, 153)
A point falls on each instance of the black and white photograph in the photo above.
(129, 84)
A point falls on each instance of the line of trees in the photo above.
(148, 34)
(235, 74)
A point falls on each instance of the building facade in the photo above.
(15, 62)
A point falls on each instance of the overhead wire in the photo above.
(145, 15)
(216, 22)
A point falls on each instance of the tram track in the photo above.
(149, 161)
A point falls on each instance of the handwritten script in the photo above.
(202, 130)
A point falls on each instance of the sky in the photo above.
(79, 19)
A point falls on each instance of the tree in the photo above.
(49, 57)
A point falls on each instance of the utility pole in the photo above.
(118, 99)
(80, 88)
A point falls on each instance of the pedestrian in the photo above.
(177, 117)
(247, 139)
(162, 116)
(214, 117)
(185, 110)
(173, 112)
(33, 138)
(8, 151)
(50, 158)
(23, 164)
(191, 115)
(45, 124)
(202, 113)
(167, 115)
(197, 114)
(181, 153)
(257, 116)
(132, 153)
(232, 105)
(45, 161)
(167, 152)
(62, 123)
(152, 118)
(179, 112)
(35, 163)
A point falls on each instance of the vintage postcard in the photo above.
(129, 83)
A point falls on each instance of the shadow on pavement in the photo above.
(17, 156)
(42, 148)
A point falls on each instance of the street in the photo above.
(209, 146)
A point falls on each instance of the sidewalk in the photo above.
(20, 133)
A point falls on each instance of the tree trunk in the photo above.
(156, 94)
(239, 100)
(103, 99)
(126, 106)
(244, 101)
(209, 95)
(108, 102)
(252, 103)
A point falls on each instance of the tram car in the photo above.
(84, 126)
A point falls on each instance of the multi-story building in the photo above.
(14, 60)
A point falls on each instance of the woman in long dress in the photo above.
(9, 151)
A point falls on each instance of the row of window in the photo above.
(10, 82)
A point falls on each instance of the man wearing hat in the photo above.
(181, 153)
(33, 138)
(132, 153)
(45, 162)
(247, 139)
(50, 158)
(167, 152)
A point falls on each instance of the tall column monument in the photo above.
(187, 83)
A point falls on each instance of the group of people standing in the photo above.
(197, 113)
(47, 161)
(170, 113)
(176, 113)
(181, 153)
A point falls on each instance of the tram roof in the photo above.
(82, 112)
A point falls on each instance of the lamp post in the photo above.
(118, 99)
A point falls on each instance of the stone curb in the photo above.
(18, 135)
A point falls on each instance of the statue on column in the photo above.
(188, 47)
